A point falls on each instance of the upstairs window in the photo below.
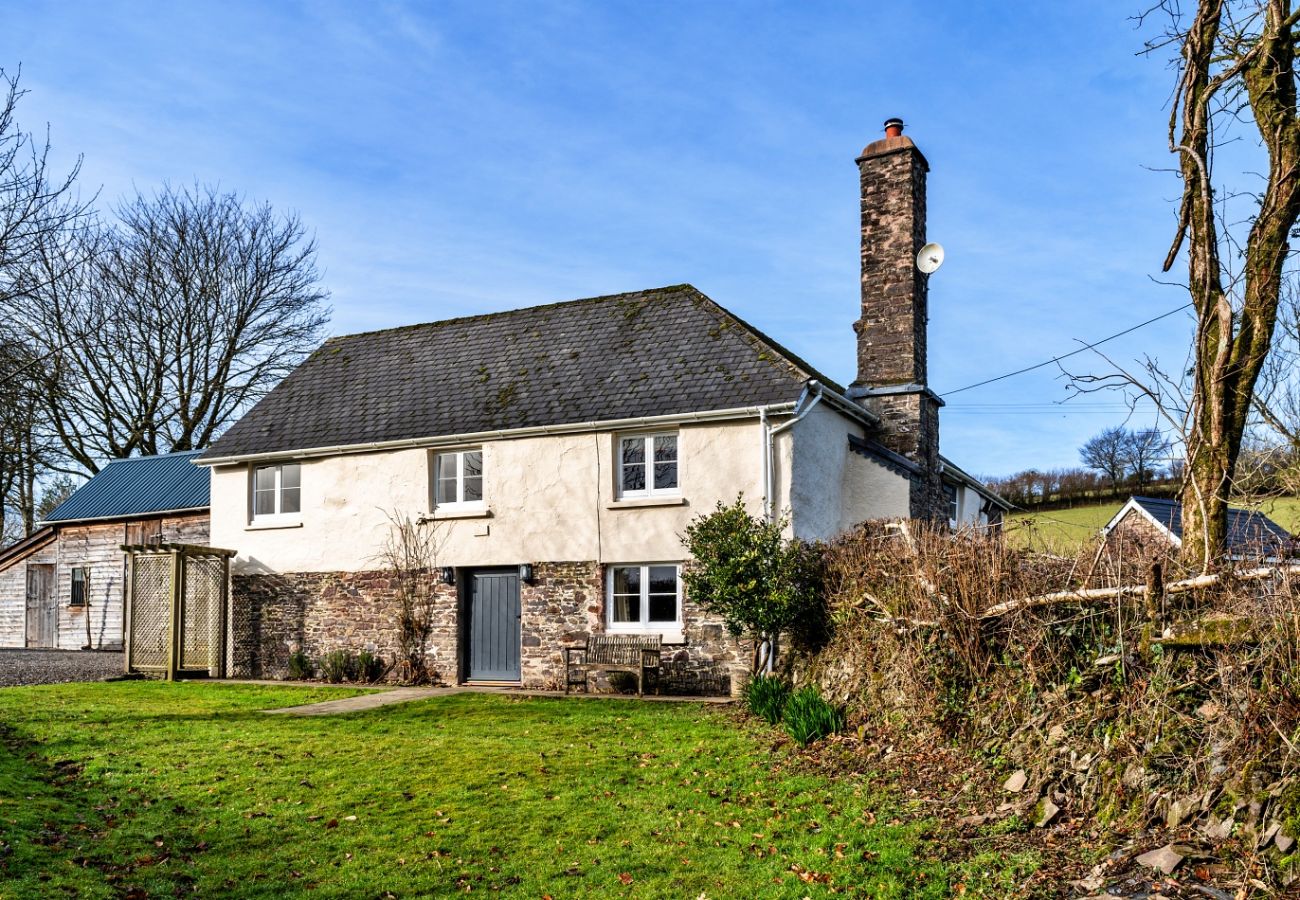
(458, 478)
(277, 490)
(644, 598)
(80, 586)
(647, 465)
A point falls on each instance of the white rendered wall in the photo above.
(831, 488)
(550, 499)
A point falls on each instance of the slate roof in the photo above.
(138, 486)
(1249, 532)
(665, 351)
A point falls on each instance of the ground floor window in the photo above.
(644, 597)
(80, 581)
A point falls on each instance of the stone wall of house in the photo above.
(274, 615)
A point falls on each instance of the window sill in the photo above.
(642, 502)
(454, 512)
(272, 526)
(667, 636)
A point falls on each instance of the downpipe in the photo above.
(801, 409)
(767, 647)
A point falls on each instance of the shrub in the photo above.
(338, 666)
(370, 667)
(808, 717)
(747, 573)
(765, 696)
(300, 667)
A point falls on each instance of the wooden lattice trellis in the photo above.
(177, 609)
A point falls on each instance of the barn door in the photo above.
(493, 628)
(42, 611)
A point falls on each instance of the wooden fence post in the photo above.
(1155, 596)
(177, 626)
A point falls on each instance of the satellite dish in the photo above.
(930, 258)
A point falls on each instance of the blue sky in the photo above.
(455, 158)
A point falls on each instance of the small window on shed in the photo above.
(80, 585)
(950, 494)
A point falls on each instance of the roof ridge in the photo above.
(153, 456)
(603, 298)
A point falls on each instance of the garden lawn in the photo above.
(142, 789)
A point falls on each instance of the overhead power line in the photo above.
(1057, 359)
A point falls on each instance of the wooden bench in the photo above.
(634, 653)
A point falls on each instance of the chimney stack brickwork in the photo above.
(892, 330)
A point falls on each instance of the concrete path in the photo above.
(385, 697)
(372, 700)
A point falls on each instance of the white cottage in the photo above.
(561, 451)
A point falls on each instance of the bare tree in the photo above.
(1108, 453)
(1235, 71)
(1146, 451)
(37, 208)
(409, 557)
(25, 450)
(202, 303)
(35, 203)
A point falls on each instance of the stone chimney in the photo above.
(891, 333)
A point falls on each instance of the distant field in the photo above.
(1059, 530)
(1285, 511)
(1063, 530)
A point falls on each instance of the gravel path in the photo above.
(55, 666)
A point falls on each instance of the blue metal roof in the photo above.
(138, 486)
(1248, 531)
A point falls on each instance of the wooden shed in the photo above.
(64, 585)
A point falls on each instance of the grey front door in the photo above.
(42, 613)
(493, 626)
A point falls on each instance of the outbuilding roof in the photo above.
(660, 352)
(138, 486)
(1249, 532)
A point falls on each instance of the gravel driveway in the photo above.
(55, 666)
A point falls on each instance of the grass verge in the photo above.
(148, 789)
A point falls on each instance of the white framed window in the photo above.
(458, 478)
(954, 509)
(647, 465)
(277, 491)
(644, 597)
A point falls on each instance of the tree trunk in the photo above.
(1231, 344)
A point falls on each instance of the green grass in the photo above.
(1059, 530)
(153, 789)
(1285, 511)
(1064, 530)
